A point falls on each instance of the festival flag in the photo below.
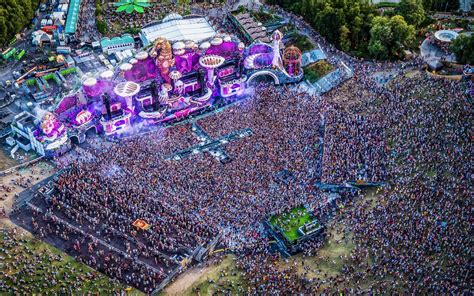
(139, 223)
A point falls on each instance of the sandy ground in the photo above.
(182, 283)
(6, 161)
(16, 182)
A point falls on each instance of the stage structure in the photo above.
(293, 227)
(171, 81)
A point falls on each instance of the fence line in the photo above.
(22, 165)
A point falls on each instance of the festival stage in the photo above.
(293, 227)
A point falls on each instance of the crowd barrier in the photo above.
(20, 166)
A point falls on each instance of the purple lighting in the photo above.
(141, 71)
(171, 82)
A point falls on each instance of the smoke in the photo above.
(39, 112)
(142, 127)
(137, 127)
(113, 171)
(249, 91)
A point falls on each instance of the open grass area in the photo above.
(328, 261)
(30, 266)
(316, 71)
(290, 221)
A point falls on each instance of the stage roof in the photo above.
(196, 29)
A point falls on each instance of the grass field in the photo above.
(290, 221)
(329, 260)
(31, 266)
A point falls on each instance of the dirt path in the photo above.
(6, 161)
(16, 182)
(186, 280)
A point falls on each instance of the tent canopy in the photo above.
(72, 15)
(196, 29)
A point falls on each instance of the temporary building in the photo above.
(196, 29)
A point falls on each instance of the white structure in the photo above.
(211, 62)
(107, 75)
(40, 38)
(465, 5)
(277, 61)
(23, 127)
(446, 35)
(116, 44)
(127, 90)
(178, 29)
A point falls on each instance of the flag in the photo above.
(141, 224)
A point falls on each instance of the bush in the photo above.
(463, 48)
(317, 70)
(386, 4)
(102, 26)
(301, 41)
(133, 31)
(240, 9)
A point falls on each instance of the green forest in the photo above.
(358, 27)
(14, 16)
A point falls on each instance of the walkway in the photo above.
(210, 145)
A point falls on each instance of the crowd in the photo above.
(86, 28)
(412, 133)
(27, 269)
(108, 188)
(415, 132)
(117, 21)
(420, 224)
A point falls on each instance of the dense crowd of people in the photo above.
(86, 28)
(116, 21)
(411, 133)
(27, 269)
(416, 133)
(416, 140)
(110, 186)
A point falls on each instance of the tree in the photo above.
(101, 26)
(463, 48)
(403, 33)
(184, 3)
(344, 38)
(15, 15)
(428, 4)
(412, 11)
(3, 29)
(441, 5)
(388, 37)
(380, 38)
(378, 50)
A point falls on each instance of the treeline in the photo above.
(441, 5)
(357, 26)
(14, 16)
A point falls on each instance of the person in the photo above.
(411, 133)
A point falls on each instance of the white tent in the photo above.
(196, 29)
